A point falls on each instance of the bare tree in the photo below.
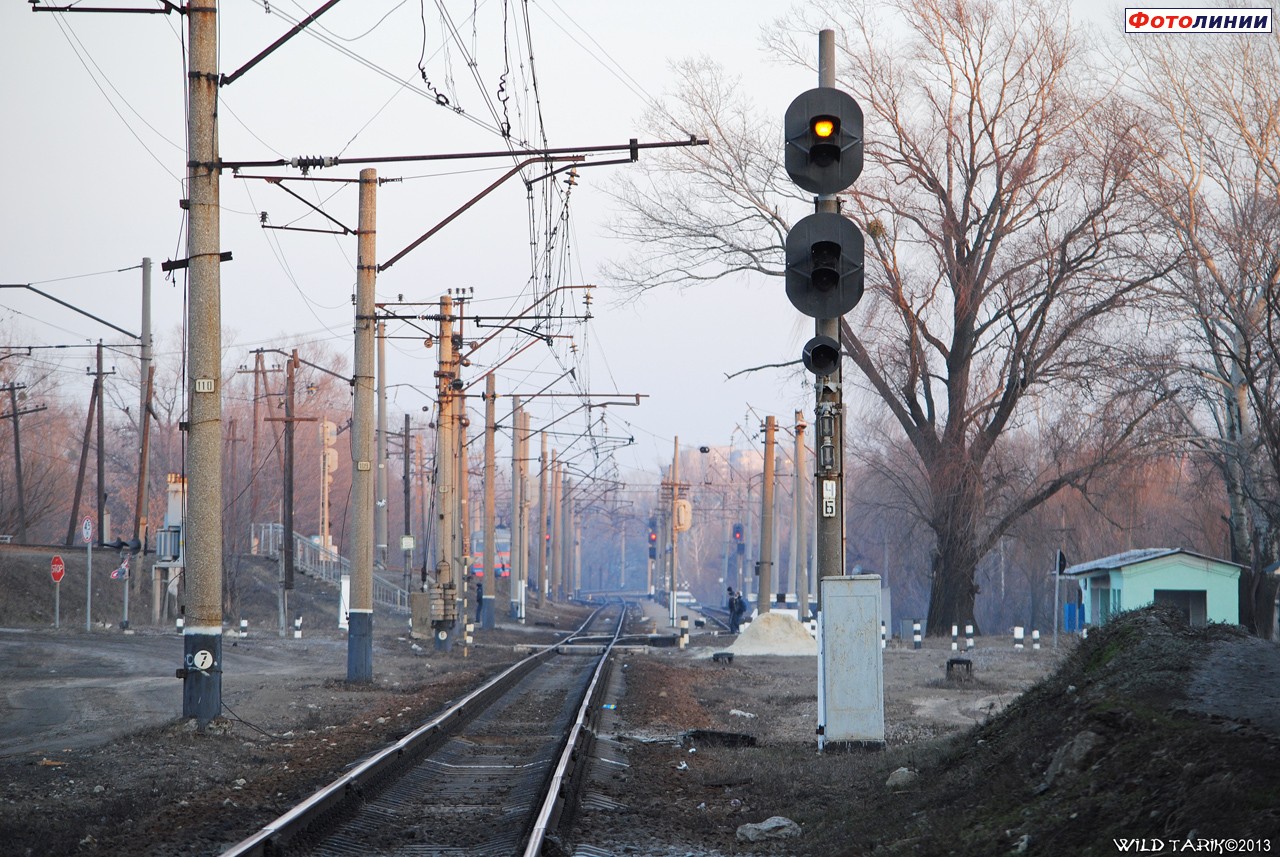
(1211, 172)
(1003, 253)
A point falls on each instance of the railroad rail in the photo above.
(496, 773)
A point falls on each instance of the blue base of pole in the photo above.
(359, 646)
(488, 612)
(202, 681)
(443, 635)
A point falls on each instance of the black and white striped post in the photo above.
(915, 634)
(968, 637)
(955, 638)
(883, 635)
(1035, 641)
(1019, 635)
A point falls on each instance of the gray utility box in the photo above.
(850, 665)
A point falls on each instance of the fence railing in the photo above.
(315, 560)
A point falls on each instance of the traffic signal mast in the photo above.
(824, 273)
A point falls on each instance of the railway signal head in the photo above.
(823, 149)
(821, 356)
(738, 534)
(824, 273)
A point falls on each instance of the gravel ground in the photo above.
(158, 787)
(1147, 729)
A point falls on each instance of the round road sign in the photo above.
(57, 569)
(86, 529)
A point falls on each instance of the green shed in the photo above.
(1203, 588)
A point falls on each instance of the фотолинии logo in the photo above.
(1206, 19)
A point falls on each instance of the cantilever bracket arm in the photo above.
(70, 307)
(165, 8)
(297, 28)
(481, 195)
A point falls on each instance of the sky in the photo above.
(91, 164)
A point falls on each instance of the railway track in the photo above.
(495, 774)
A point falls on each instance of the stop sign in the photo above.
(57, 569)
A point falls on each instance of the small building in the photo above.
(1203, 588)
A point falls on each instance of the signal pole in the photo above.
(829, 408)
(825, 277)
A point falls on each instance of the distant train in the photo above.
(502, 559)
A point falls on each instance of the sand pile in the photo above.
(774, 634)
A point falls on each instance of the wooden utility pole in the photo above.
(489, 603)
(17, 459)
(202, 631)
(764, 593)
(94, 395)
(364, 450)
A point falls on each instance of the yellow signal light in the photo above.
(824, 127)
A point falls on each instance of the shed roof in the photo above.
(1133, 557)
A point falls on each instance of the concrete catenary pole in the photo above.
(764, 594)
(544, 556)
(462, 470)
(408, 506)
(799, 538)
(380, 504)
(675, 534)
(488, 604)
(517, 487)
(555, 547)
(286, 512)
(102, 458)
(525, 503)
(829, 411)
(202, 630)
(363, 446)
(145, 380)
(446, 501)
